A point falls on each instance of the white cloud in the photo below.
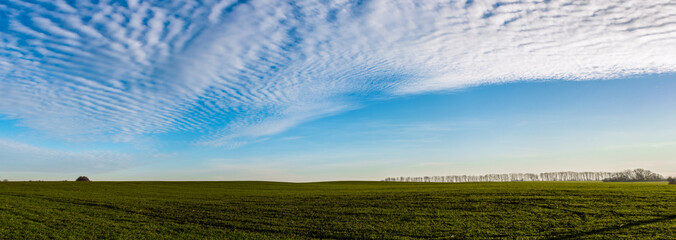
(17, 156)
(51, 28)
(218, 9)
(241, 71)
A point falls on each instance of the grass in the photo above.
(361, 210)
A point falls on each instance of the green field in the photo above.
(361, 210)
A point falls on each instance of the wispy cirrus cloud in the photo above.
(18, 156)
(241, 70)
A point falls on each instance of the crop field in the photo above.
(342, 210)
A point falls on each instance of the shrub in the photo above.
(82, 179)
(671, 180)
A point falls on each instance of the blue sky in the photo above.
(336, 90)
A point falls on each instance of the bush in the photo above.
(671, 180)
(82, 179)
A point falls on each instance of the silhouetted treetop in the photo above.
(82, 179)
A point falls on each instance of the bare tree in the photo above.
(636, 175)
(627, 175)
(5, 180)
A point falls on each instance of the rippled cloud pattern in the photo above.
(240, 70)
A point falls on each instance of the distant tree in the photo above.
(5, 180)
(671, 180)
(636, 175)
(82, 179)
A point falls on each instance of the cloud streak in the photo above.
(242, 70)
(17, 156)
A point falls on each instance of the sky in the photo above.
(334, 90)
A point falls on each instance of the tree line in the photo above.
(624, 176)
(671, 180)
(636, 175)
